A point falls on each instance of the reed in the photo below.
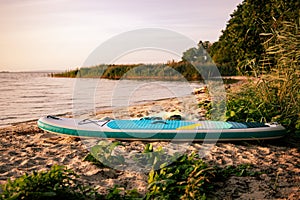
(275, 96)
(281, 85)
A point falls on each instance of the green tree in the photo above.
(241, 42)
(199, 54)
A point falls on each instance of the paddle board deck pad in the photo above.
(156, 129)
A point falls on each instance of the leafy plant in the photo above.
(118, 192)
(189, 177)
(177, 176)
(102, 154)
(58, 183)
(153, 159)
(247, 105)
(186, 177)
(239, 170)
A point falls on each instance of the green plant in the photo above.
(175, 177)
(239, 170)
(118, 192)
(153, 159)
(102, 154)
(275, 96)
(185, 178)
(247, 105)
(57, 183)
(241, 41)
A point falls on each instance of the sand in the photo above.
(24, 148)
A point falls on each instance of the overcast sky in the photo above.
(60, 34)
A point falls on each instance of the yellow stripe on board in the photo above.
(189, 127)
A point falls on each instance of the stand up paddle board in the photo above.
(157, 129)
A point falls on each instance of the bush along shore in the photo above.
(171, 71)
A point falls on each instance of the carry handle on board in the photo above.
(53, 117)
(159, 122)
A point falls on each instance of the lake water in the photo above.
(28, 96)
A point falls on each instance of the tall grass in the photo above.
(275, 96)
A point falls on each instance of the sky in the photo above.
(38, 35)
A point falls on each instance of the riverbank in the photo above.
(25, 148)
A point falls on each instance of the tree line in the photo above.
(171, 70)
(238, 49)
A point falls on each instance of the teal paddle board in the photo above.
(155, 129)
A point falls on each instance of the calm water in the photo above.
(28, 96)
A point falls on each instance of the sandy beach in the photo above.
(24, 148)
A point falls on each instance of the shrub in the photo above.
(185, 178)
(276, 94)
(57, 183)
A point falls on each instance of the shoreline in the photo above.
(26, 148)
